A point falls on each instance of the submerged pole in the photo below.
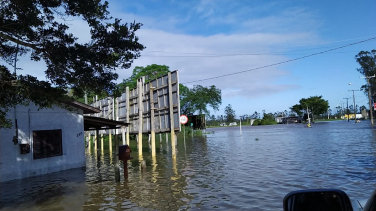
(140, 116)
(172, 122)
(102, 145)
(95, 142)
(89, 142)
(116, 166)
(240, 125)
(152, 129)
(110, 142)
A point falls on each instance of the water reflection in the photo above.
(223, 170)
(50, 192)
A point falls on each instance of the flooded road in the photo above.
(222, 170)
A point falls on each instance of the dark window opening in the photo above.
(47, 143)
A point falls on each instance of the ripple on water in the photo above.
(222, 171)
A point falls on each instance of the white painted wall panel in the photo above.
(14, 165)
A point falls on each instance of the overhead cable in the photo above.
(283, 62)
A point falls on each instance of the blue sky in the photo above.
(208, 38)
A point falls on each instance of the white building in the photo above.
(49, 140)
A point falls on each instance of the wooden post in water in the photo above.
(127, 113)
(140, 111)
(110, 142)
(95, 142)
(172, 124)
(102, 145)
(89, 142)
(192, 130)
(117, 170)
(113, 118)
(152, 129)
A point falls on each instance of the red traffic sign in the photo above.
(374, 105)
(183, 119)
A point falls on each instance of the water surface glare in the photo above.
(222, 170)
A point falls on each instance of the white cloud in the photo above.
(189, 55)
(167, 44)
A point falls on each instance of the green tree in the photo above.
(339, 111)
(24, 89)
(268, 119)
(150, 72)
(367, 62)
(255, 115)
(197, 99)
(229, 114)
(39, 29)
(363, 107)
(316, 106)
(297, 108)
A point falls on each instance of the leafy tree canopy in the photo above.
(297, 108)
(315, 104)
(21, 91)
(150, 72)
(229, 114)
(198, 99)
(39, 30)
(367, 62)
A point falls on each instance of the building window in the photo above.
(47, 143)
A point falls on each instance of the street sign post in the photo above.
(183, 120)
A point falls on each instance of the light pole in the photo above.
(354, 101)
(347, 100)
(369, 97)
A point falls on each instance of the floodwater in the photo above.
(222, 170)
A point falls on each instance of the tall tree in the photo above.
(197, 99)
(367, 62)
(39, 30)
(150, 72)
(297, 108)
(255, 115)
(229, 114)
(315, 105)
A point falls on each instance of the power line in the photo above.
(200, 54)
(206, 55)
(283, 62)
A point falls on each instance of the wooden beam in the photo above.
(173, 145)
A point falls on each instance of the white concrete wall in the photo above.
(14, 165)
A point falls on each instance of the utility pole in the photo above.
(369, 97)
(347, 99)
(354, 104)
